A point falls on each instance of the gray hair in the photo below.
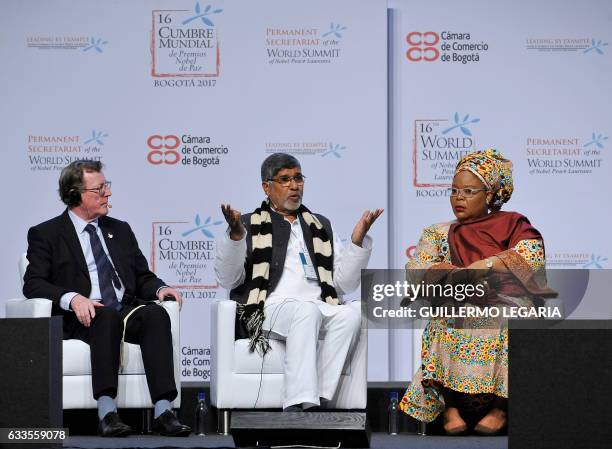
(275, 163)
(71, 180)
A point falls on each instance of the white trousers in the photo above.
(318, 340)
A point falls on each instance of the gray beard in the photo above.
(287, 205)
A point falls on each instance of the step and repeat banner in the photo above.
(182, 100)
(530, 78)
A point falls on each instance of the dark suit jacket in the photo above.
(57, 264)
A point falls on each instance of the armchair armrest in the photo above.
(222, 328)
(172, 308)
(28, 308)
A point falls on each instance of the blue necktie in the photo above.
(106, 272)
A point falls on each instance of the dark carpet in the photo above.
(378, 441)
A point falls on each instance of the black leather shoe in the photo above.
(168, 425)
(112, 426)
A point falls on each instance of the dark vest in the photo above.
(281, 231)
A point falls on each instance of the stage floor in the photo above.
(378, 441)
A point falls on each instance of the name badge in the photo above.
(309, 271)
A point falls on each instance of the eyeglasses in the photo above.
(285, 181)
(99, 190)
(468, 192)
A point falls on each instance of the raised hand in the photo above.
(232, 216)
(363, 225)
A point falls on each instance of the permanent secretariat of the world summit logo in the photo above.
(438, 144)
(185, 44)
(304, 45)
(566, 155)
(48, 152)
(183, 254)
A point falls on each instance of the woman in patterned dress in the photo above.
(465, 360)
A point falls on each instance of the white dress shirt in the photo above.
(348, 263)
(84, 240)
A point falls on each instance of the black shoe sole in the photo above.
(180, 433)
(117, 434)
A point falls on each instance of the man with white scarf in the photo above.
(288, 270)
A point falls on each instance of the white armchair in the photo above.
(132, 391)
(240, 380)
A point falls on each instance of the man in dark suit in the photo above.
(92, 269)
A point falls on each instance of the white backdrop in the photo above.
(527, 77)
(144, 84)
(148, 85)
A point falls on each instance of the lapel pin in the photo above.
(110, 236)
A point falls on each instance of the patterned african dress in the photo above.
(472, 358)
